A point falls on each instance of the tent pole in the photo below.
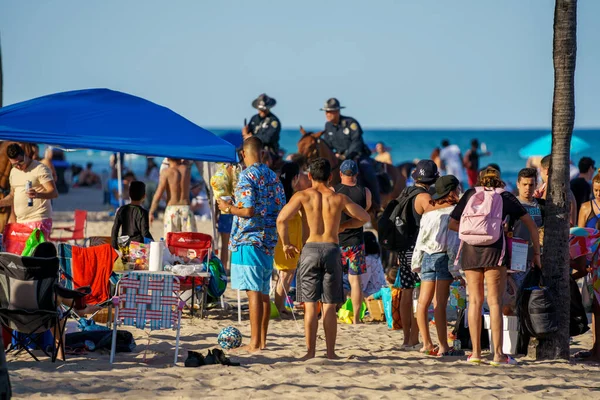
(120, 178)
(213, 218)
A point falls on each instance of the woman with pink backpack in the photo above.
(479, 219)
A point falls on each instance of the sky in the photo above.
(392, 63)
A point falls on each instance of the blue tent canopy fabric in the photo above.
(542, 146)
(103, 119)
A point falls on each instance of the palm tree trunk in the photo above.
(556, 238)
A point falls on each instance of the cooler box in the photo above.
(189, 244)
(510, 333)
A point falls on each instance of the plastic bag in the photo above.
(346, 313)
(33, 241)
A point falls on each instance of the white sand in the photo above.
(371, 365)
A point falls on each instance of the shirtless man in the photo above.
(176, 181)
(319, 276)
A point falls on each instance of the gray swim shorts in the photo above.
(319, 274)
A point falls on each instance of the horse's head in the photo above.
(309, 144)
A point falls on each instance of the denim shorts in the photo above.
(434, 267)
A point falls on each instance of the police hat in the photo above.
(264, 102)
(332, 104)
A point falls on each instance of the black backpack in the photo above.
(535, 310)
(396, 228)
(461, 332)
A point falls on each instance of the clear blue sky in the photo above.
(393, 63)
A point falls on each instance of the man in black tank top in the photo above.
(352, 242)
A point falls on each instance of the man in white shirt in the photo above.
(32, 207)
(453, 161)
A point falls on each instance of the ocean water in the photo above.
(405, 145)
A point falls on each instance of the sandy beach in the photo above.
(372, 366)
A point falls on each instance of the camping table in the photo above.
(203, 275)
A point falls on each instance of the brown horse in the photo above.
(311, 146)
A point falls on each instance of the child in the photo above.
(374, 279)
(132, 219)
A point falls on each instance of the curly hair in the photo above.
(490, 178)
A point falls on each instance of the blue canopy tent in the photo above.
(103, 119)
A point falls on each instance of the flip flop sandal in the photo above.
(509, 361)
(474, 360)
(433, 352)
(406, 347)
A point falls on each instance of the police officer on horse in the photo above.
(344, 136)
(264, 125)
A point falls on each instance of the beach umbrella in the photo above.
(541, 147)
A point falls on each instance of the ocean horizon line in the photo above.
(425, 129)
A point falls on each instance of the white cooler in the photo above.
(509, 334)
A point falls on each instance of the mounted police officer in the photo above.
(344, 136)
(264, 125)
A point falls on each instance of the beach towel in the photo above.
(92, 266)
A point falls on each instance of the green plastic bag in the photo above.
(346, 313)
(33, 241)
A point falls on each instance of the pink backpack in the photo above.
(481, 221)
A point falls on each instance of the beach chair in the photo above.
(65, 257)
(147, 300)
(71, 233)
(29, 293)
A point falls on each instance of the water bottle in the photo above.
(28, 186)
(457, 344)
(416, 293)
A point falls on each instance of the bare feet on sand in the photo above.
(333, 356)
(247, 348)
(307, 356)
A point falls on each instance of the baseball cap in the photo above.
(444, 185)
(425, 172)
(349, 168)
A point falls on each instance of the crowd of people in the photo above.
(331, 259)
(308, 230)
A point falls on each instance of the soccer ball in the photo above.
(230, 338)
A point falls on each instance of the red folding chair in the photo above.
(71, 233)
(192, 245)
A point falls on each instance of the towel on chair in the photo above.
(92, 267)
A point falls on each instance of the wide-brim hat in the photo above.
(264, 102)
(332, 104)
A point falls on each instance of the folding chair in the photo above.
(192, 245)
(65, 257)
(147, 300)
(75, 232)
(29, 293)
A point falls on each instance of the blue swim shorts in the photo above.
(225, 223)
(251, 269)
(434, 267)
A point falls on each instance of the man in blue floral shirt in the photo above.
(259, 197)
